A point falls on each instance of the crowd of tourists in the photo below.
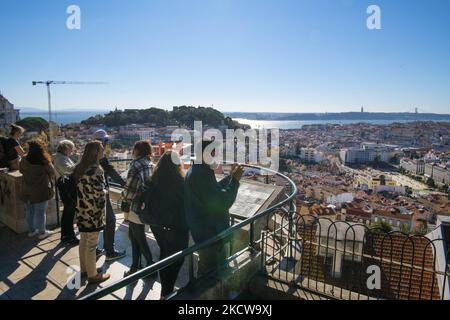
(158, 197)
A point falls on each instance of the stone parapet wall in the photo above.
(12, 208)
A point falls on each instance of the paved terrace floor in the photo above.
(39, 269)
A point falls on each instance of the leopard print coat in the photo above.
(91, 200)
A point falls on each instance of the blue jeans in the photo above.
(36, 212)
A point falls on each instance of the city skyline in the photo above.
(290, 56)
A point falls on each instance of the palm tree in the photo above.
(404, 229)
(421, 230)
(381, 226)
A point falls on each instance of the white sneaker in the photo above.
(33, 234)
(45, 235)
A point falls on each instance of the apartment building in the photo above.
(396, 220)
(413, 166)
(137, 132)
(368, 153)
(439, 173)
(310, 155)
(369, 182)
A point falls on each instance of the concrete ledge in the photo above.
(12, 209)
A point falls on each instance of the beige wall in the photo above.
(12, 210)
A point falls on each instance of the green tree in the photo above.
(183, 116)
(421, 230)
(33, 124)
(404, 228)
(115, 144)
(431, 183)
(408, 190)
(377, 161)
(381, 226)
(3, 132)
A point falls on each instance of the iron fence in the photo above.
(344, 260)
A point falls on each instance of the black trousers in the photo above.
(170, 242)
(139, 245)
(109, 232)
(68, 215)
(67, 218)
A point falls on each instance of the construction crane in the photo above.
(48, 84)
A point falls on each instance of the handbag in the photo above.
(141, 205)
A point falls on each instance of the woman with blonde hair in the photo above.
(64, 167)
(13, 149)
(90, 208)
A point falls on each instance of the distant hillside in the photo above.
(33, 124)
(340, 116)
(184, 116)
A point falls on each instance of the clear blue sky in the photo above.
(238, 55)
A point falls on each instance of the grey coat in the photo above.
(63, 165)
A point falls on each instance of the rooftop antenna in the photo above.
(48, 83)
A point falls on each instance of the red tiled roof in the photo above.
(407, 266)
(358, 212)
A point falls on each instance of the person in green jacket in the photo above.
(207, 204)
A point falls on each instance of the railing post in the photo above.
(252, 237)
(263, 251)
(291, 230)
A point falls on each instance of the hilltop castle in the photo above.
(8, 114)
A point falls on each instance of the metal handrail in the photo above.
(190, 250)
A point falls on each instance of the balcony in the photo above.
(276, 254)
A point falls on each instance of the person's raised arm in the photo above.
(20, 151)
(111, 172)
(217, 197)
